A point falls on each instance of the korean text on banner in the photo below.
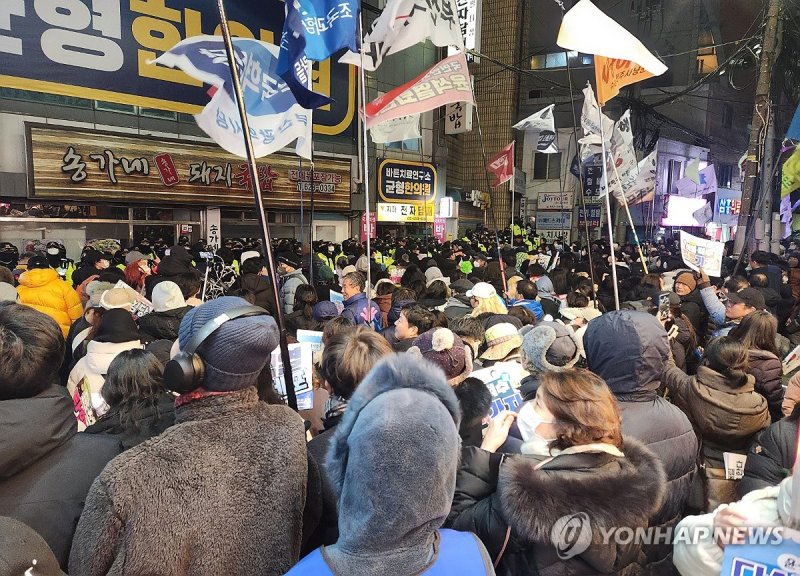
(502, 165)
(446, 82)
(776, 553)
(540, 128)
(611, 74)
(590, 123)
(701, 253)
(276, 119)
(643, 187)
(404, 23)
(621, 158)
(587, 29)
(313, 30)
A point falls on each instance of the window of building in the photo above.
(28, 95)
(727, 115)
(725, 173)
(547, 166)
(154, 113)
(534, 94)
(674, 173)
(706, 53)
(559, 60)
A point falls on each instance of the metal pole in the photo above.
(630, 218)
(311, 223)
(363, 94)
(485, 162)
(265, 235)
(608, 213)
(303, 221)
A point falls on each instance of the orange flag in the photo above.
(611, 74)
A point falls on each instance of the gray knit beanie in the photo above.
(237, 351)
(393, 461)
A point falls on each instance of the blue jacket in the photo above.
(458, 553)
(532, 305)
(356, 309)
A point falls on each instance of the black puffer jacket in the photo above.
(628, 350)
(530, 497)
(46, 467)
(262, 288)
(771, 457)
(162, 325)
(152, 421)
(767, 370)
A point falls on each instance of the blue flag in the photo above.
(794, 127)
(312, 31)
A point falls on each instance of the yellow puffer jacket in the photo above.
(43, 290)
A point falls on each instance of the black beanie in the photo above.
(117, 326)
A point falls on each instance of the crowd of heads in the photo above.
(430, 355)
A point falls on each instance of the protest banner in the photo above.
(141, 306)
(773, 557)
(503, 381)
(701, 253)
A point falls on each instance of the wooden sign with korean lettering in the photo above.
(69, 164)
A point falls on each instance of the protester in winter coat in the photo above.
(771, 456)
(547, 297)
(255, 278)
(686, 287)
(413, 321)
(757, 332)
(176, 262)
(139, 405)
(291, 277)
(574, 461)
(724, 409)
(41, 288)
(229, 479)
(169, 309)
(346, 359)
(628, 350)
(92, 263)
(383, 298)
(483, 298)
(700, 552)
(446, 350)
(406, 417)
(117, 332)
(302, 317)
(357, 308)
(502, 344)
(475, 400)
(547, 347)
(737, 305)
(458, 305)
(46, 467)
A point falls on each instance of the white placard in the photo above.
(701, 253)
(555, 201)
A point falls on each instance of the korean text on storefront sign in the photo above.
(413, 182)
(405, 212)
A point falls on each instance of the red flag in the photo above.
(502, 165)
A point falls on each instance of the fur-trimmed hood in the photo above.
(613, 492)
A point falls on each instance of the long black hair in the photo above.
(134, 385)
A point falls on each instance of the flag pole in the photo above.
(630, 218)
(303, 222)
(608, 211)
(363, 95)
(485, 159)
(311, 223)
(265, 235)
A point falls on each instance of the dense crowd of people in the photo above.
(467, 398)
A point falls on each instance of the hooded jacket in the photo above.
(229, 479)
(289, 284)
(457, 307)
(628, 350)
(392, 462)
(530, 495)
(43, 290)
(262, 288)
(46, 467)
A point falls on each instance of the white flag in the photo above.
(621, 157)
(685, 188)
(540, 131)
(707, 181)
(397, 130)
(590, 119)
(275, 117)
(587, 29)
(404, 23)
(704, 215)
(643, 187)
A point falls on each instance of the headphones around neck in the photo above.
(185, 372)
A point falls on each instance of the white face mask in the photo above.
(52, 251)
(528, 421)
